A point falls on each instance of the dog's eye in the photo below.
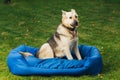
(70, 17)
(75, 16)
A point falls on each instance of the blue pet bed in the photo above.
(91, 64)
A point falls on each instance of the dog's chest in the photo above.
(72, 42)
(67, 43)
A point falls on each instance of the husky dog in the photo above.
(64, 40)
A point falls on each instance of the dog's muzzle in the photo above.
(74, 24)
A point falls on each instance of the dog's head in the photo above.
(70, 19)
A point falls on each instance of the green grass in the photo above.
(32, 22)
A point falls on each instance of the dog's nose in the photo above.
(75, 23)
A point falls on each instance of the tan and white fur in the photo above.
(64, 40)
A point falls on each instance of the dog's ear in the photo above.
(73, 10)
(63, 13)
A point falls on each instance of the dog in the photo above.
(64, 40)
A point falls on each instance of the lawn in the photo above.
(32, 22)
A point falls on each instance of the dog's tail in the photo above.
(25, 54)
(21, 52)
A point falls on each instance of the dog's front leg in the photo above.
(68, 54)
(77, 50)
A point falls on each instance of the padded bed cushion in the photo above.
(91, 64)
